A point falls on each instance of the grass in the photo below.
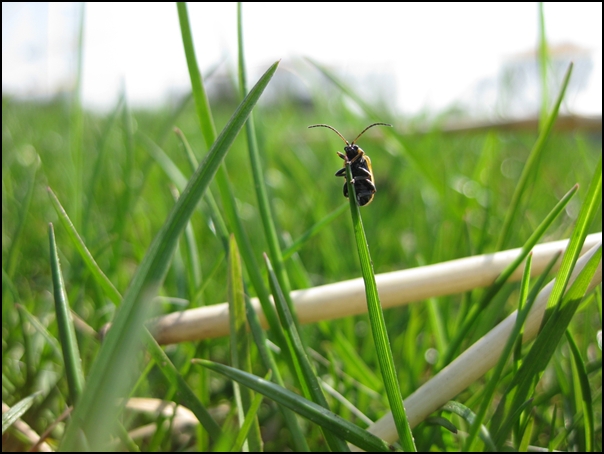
(439, 197)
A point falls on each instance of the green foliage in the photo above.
(440, 196)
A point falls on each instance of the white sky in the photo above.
(435, 53)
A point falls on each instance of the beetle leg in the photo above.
(342, 155)
(341, 172)
(358, 156)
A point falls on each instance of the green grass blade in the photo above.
(250, 419)
(546, 343)
(310, 410)
(100, 278)
(467, 414)
(490, 293)
(16, 411)
(531, 165)
(378, 324)
(298, 438)
(184, 394)
(206, 123)
(52, 341)
(202, 105)
(588, 211)
(524, 307)
(106, 382)
(306, 375)
(69, 344)
(268, 223)
(240, 348)
(585, 397)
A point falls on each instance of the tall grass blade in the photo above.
(531, 165)
(16, 411)
(589, 208)
(308, 409)
(524, 307)
(546, 343)
(240, 348)
(585, 397)
(490, 293)
(107, 380)
(100, 278)
(378, 324)
(298, 438)
(69, 343)
(268, 223)
(305, 373)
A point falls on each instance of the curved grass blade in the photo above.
(378, 324)
(310, 410)
(240, 346)
(467, 414)
(16, 411)
(184, 394)
(585, 396)
(524, 306)
(298, 439)
(305, 373)
(504, 276)
(546, 343)
(206, 123)
(250, 418)
(270, 231)
(107, 380)
(531, 164)
(69, 344)
(101, 279)
(588, 211)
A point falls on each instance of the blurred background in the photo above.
(478, 59)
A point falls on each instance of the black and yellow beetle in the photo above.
(360, 166)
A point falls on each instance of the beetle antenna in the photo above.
(336, 131)
(363, 131)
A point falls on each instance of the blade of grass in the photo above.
(100, 278)
(250, 419)
(546, 343)
(206, 122)
(524, 307)
(531, 165)
(184, 394)
(268, 223)
(10, 416)
(473, 363)
(306, 375)
(581, 378)
(240, 348)
(69, 344)
(467, 414)
(586, 215)
(378, 324)
(299, 441)
(308, 409)
(106, 376)
(490, 293)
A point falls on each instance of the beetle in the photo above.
(360, 166)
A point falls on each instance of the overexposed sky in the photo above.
(433, 53)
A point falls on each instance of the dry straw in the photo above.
(346, 298)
